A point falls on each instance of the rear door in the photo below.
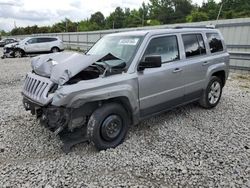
(163, 87)
(44, 44)
(196, 59)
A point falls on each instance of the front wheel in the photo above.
(108, 126)
(18, 53)
(211, 96)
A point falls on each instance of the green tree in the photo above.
(44, 29)
(154, 13)
(235, 8)
(153, 22)
(98, 18)
(161, 10)
(197, 16)
(211, 8)
(134, 19)
(116, 19)
(182, 8)
(170, 11)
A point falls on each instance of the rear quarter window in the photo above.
(215, 43)
(52, 39)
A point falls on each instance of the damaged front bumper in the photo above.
(54, 118)
(8, 52)
(57, 119)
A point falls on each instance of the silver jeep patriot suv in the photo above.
(122, 79)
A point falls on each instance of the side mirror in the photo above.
(26, 43)
(150, 62)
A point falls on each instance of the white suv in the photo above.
(33, 45)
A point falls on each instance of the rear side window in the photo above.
(166, 47)
(215, 43)
(40, 40)
(194, 45)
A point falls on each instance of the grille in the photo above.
(37, 88)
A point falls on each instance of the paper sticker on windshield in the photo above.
(132, 42)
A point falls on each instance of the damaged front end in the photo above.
(54, 118)
(64, 122)
(52, 72)
(8, 52)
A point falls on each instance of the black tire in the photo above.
(100, 122)
(206, 101)
(18, 53)
(55, 49)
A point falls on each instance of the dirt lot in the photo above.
(188, 146)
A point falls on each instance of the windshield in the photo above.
(123, 47)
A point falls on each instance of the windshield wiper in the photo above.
(107, 69)
(101, 68)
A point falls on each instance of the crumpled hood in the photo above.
(60, 67)
(11, 45)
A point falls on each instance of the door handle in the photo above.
(177, 70)
(205, 63)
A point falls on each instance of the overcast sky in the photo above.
(47, 12)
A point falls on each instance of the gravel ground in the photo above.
(186, 147)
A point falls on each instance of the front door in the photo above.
(163, 87)
(32, 46)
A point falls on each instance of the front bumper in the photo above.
(8, 52)
(54, 118)
(57, 120)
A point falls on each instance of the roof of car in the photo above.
(9, 39)
(44, 37)
(161, 31)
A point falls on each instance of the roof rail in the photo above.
(199, 26)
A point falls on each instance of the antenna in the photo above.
(220, 11)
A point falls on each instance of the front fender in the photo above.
(66, 96)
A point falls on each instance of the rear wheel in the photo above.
(55, 49)
(18, 53)
(211, 96)
(108, 126)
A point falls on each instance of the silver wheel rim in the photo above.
(214, 93)
(18, 54)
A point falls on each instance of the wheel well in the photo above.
(221, 75)
(55, 47)
(90, 107)
(20, 50)
(125, 103)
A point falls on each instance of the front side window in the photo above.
(32, 41)
(166, 47)
(194, 45)
(215, 43)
